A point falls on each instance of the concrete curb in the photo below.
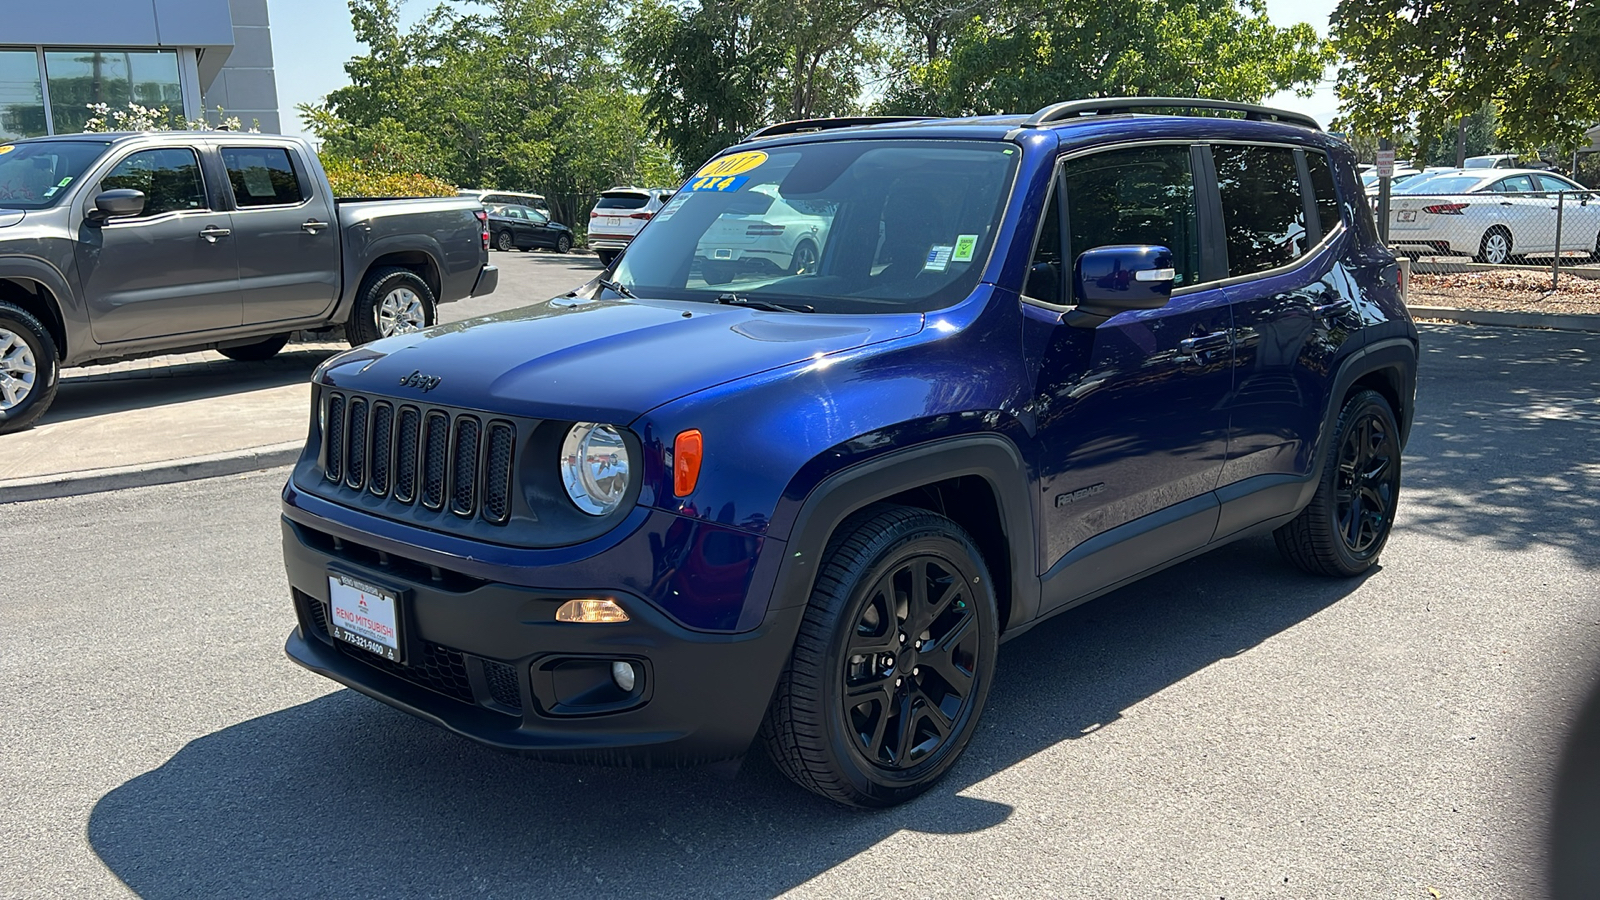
(68, 484)
(1509, 319)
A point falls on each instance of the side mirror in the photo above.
(1112, 279)
(120, 202)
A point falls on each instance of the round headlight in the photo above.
(594, 467)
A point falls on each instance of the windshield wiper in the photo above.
(616, 288)
(753, 303)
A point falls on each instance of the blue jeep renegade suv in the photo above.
(865, 399)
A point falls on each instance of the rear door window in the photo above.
(169, 178)
(1327, 199)
(1263, 211)
(1141, 195)
(262, 176)
(1513, 185)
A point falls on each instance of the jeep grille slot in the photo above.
(412, 461)
(434, 459)
(333, 455)
(382, 447)
(405, 457)
(355, 467)
(464, 468)
(497, 472)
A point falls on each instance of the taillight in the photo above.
(764, 230)
(1445, 209)
(595, 214)
(640, 215)
(483, 223)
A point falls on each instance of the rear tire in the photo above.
(563, 244)
(30, 368)
(893, 661)
(716, 272)
(391, 301)
(804, 259)
(1495, 247)
(260, 350)
(505, 242)
(1345, 526)
(607, 257)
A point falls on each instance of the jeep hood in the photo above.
(599, 360)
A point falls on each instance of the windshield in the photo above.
(1442, 184)
(857, 226)
(36, 174)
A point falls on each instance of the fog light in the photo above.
(591, 611)
(622, 673)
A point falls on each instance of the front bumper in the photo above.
(488, 661)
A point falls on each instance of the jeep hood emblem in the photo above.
(418, 380)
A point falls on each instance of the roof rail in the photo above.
(801, 125)
(1056, 112)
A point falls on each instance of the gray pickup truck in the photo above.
(116, 246)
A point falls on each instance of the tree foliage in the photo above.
(513, 94)
(966, 58)
(1427, 63)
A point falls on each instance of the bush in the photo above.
(358, 178)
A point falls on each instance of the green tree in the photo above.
(1020, 55)
(1425, 64)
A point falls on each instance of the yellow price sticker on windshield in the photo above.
(732, 164)
(7, 148)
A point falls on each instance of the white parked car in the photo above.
(618, 215)
(761, 232)
(1496, 215)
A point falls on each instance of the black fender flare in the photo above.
(1396, 358)
(988, 456)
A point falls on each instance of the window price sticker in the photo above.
(938, 258)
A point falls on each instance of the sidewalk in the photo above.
(164, 419)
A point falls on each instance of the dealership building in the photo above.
(190, 56)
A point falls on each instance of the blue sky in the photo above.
(312, 40)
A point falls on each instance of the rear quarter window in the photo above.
(1327, 199)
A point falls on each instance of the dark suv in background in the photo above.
(1036, 358)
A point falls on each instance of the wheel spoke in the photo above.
(903, 728)
(880, 728)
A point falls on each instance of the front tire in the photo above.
(260, 350)
(893, 661)
(1344, 528)
(391, 301)
(30, 368)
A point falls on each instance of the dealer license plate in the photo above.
(365, 615)
(1408, 215)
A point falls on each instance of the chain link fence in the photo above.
(1513, 250)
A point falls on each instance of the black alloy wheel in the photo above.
(1345, 526)
(893, 661)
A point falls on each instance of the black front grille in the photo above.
(409, 454)
(502, 681)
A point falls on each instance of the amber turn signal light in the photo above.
(687, 451)
(591, 611)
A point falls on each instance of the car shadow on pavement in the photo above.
(342, 796)
(95, 394)
(1503, 449)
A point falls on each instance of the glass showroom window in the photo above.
(77, 78)
(21, 98)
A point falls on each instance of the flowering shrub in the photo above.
(362, 178)
(157, 118)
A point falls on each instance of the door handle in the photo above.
(1199, 349)
(212, 232)
(312, 226)
(1329, 310)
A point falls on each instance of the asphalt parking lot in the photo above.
(1228, 728)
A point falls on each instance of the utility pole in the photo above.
(1461, 141)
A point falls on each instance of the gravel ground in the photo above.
(1507, 291)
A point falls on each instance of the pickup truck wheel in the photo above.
(563, 244)
(504, 241)
(264, 349)
(1342, 531)
(30, 369)
(893, 661)
(392, 301)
